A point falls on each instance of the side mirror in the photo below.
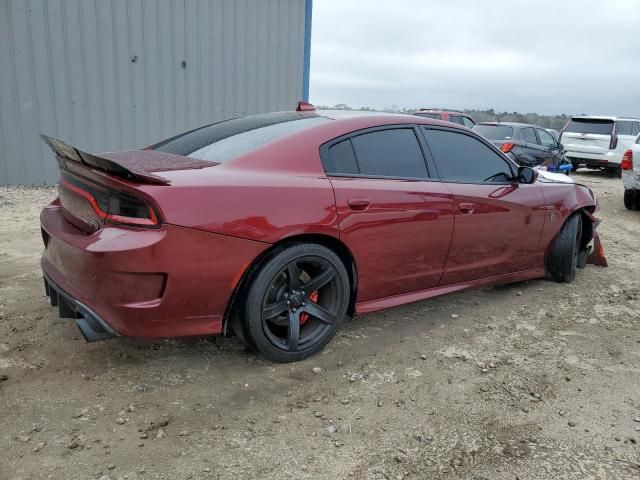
(527, 175)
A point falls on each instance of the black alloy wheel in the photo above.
(296, 303)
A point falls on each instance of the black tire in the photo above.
(563, 259)
(616, 172)
(632, 199)
(295, 302)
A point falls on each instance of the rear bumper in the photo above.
(608, 160)
(151, 283)
(92, 327)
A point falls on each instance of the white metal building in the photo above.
(108, 75)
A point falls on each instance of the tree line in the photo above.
(490, 115)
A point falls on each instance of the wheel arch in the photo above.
(586, 214)
(332, 243)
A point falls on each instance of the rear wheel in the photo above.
(564, 256)
(295, 303)
(632, 199)
(615, 172)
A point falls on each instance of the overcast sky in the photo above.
(565, 56)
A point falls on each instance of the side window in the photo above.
(546, 138)
(341, 159)
(468, 122)
(455, 119)
(624, 128)
(463, 158)
(393, 153)
(636, 128)
(528, 135)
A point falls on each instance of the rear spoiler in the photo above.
(69, 152)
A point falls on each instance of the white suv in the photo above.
(631, 176)
(598, 142)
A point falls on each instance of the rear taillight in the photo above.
(113, 206)
(627, 161)
(614, 142)
(507, 147)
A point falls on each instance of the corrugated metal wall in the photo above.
(115, 74)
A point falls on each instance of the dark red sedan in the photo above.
(280, 226)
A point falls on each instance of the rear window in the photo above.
(435, 116)
(495, 132)
(589, 125)
(228, 139)
(393, 153)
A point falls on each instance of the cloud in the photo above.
(545, 56)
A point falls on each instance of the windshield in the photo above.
(495, 132)
(229, 139)
(589, 125)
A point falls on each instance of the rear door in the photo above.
(588, 135)
(396, 220)
(498, 222)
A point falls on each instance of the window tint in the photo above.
(494, 132)
(394, 153)
(463, 158)
(528, 135)
(468, 122)
(546, 138)
(341, 159)
(589, 125)
(624, 128)
(455, 119)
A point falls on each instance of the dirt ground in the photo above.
(533, 380)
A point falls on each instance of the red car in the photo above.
(280, 226)
(447, 116)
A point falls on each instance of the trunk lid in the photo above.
(92, 191)
(588, 135)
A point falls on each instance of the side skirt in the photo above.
(371, 306)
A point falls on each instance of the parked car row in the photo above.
(527, 145)
(596, 142)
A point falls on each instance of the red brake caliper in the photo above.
(305, 316)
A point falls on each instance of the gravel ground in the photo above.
(533, 380)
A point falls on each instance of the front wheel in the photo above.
(563, 259)
(295, 303)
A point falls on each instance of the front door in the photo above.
(498, 222)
